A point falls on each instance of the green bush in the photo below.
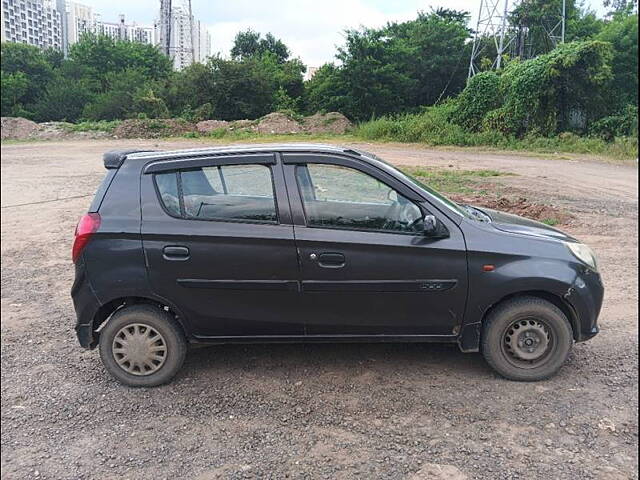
(481, 95)
(541, 94)
(624, 123)
(146, 102)
(432, 128)
(62, 101)
(99, 126)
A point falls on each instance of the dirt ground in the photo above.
(310, 411)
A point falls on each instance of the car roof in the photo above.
(244, 148)
(115, 158)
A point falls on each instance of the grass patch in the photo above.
(432, 127)
(99, 126)
(241, 135)
(550, 221)
(450, 181)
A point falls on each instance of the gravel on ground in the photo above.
(310, 411)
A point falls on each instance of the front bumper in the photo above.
(585, 297)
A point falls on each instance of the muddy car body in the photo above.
(315, 243)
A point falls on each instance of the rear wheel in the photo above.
(526, 339)
(142, 346)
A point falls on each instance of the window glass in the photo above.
(228, 192)
(341, 197)
(168, 188)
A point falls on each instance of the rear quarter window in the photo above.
(168, 189)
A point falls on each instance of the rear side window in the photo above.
(224, 193)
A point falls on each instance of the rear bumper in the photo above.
(585, 297)
(86, 305)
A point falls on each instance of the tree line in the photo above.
(403, 67)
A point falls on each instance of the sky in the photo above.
(310, 28)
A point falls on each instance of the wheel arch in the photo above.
(564, 306)
(106, 311)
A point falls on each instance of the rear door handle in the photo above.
(331, 260)
(175, 253)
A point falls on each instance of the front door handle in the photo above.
(175, 253)
(331, 260)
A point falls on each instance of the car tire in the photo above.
(526, 339)
(142, 346)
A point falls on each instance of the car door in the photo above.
(366, 266)
(218, 242)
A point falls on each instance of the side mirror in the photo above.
(434, 228)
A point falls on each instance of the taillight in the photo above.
(87, 226)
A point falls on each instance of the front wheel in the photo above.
(142, 346)
(526, 339)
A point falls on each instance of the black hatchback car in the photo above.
(315, 243)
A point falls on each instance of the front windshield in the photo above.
(448, 203)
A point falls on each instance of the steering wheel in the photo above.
(391, 216)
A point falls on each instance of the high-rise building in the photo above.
(61, 23)
(77, 19)
(189, 38)
(122, 31)
(202, 43)
(35, 22)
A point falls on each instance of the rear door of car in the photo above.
(365, 269)
(219, 243)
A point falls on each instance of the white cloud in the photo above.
(311, 28)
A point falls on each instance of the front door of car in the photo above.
(219, 245)
(366, 266)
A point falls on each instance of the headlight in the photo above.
(584, 254)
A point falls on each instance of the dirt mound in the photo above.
(519, 206)
(277, 122)
(242, 125)
(17, 128)
(332, 122)
(153, 128)
(64, 131)
(207, 126)
(281, 123)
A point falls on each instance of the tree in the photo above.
(622, 33)
(326, 91)
(118, 99)
(399, 67)
(438, 53)
(626, 7)
(250, 43)
(25, 71)
(100, 55)
(14, 87)
(63, 100)
(374, 73)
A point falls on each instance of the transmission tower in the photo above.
(492, 24)
(493, 27)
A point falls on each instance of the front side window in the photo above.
(225, 193)
(342, 197)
